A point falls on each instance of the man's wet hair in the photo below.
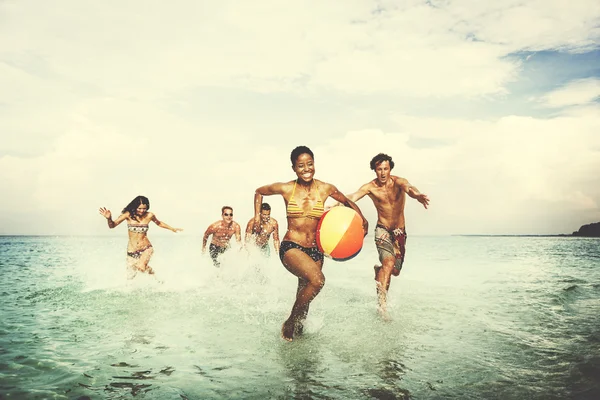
(265, 206)
(379, 158)
(299, 151)
(226, 208)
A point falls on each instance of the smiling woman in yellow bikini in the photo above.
(139, 248)
(304, 199)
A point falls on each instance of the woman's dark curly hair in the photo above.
(135, 203)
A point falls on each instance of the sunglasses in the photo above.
(228, 215)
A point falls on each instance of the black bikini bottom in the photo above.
(313, 252)
(138, 253)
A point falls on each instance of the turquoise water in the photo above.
(473, 318)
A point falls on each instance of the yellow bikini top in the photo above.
(294, 210)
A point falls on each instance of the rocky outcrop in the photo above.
(589, 230)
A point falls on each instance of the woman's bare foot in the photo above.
(147, 269)
(382, 311)
(298, 328)
(287, 330)
(292, 328)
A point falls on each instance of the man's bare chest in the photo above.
(224, 231)
(386, 195)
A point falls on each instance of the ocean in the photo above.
(473, 317)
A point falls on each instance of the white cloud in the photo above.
(490, 173)
(576, 93)
(307, 47)
(531, 25)
(494, 169)
(102, 101)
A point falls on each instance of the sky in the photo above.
(490, 108)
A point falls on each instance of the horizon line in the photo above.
(446, 234)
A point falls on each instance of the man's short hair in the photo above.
(265, 206)
(298, 151)
(379, 158)
(226, 208)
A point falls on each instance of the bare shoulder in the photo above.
(325, 186)
(400, 181)
(287, 186)
(284, 188)
(275, 188)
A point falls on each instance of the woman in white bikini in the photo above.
(139, 248)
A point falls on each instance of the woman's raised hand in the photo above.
(105, 212)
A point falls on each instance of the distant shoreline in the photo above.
(427, 235)
(524, 235)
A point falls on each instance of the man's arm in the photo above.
(267, 190)
(238, 233)
(276, 237)
(354, 197)
(360, 193)
(209, 231)
(340, 197)
(249, 228)
(413, 192)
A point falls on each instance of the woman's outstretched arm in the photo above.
(107, 214)
(165, 225)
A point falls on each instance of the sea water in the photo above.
(472, 318)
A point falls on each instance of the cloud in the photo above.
(442, 49)
(195, 104)
(532, 25)
(508, 168)
(492, 177)
(576, 93)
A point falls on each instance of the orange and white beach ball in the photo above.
(340, 233)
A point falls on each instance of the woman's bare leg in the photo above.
(310, 283)
(144, 260)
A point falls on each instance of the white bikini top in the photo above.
(138, 228)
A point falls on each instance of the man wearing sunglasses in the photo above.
(221, 232)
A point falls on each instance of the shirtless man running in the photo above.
(388, 193)
(221, 232)
(258, 235)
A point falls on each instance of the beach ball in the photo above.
(340, 233)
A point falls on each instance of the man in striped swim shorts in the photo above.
(388, 193)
